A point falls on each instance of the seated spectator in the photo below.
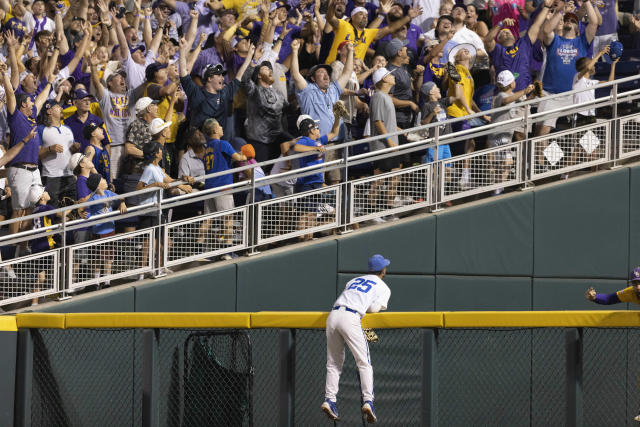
(99, 190)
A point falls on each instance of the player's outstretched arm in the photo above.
(603, 299)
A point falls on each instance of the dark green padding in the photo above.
(634, 217)
(494, 238)
(581, 227)
(408, 293)
(120, 299)
(205, 290)
(8, 343)
(301, 278)
(568, 294)
(409, 245)
(482, 293)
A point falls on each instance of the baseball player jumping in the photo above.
(364, 294)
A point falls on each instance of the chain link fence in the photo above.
(493, 377)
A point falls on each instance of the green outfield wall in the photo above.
(536, 249)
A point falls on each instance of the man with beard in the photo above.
(562, 53)
(357, 32)
(212, 98)
(515, 55)
(316, 98)
(264, 112)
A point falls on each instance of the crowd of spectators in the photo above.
(107, 98)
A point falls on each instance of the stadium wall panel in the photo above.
(493, 238)
(294, 279)
(482, 293)
(566, 294)
(410, 245)
(120, 299)
(204, 290)
(581, 227)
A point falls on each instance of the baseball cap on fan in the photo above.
(380, 74)
(506, 77)
(304, 117)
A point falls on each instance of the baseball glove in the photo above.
(340, 110)
(72, 214)
(370, 335)
(537, 88)
(453, 73)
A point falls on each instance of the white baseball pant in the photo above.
(344, 326)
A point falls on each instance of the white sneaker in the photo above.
(636, 418)
(326, 208)
(379, 220)
(498, 191)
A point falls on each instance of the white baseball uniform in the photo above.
(364, 294)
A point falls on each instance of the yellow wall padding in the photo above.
(317, 319)
(533, 319)
(289, 319)
(8, 323)
(158, 320)
(403, 320)
(41, 320)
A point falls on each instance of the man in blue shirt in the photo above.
(218, 155)
(562, 53)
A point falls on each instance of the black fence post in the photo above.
(24, 378)
(287, 340)
(429, 403)
(150, 416)
(9, 346)
(573, 346)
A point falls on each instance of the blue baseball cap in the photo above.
(138, 47)
(634, 276)
(378, 263)
(615, 50)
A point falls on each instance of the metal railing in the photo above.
(356, 199)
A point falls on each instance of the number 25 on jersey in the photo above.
(362, 285)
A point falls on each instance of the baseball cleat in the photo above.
(331, 409)
(368, 410)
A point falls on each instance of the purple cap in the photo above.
(634, 275)
(81, 94)
(138, 47)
